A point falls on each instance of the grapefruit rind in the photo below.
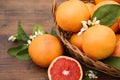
(69, 58)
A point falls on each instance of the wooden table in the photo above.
(30, 12)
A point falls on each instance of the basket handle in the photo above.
(54, 6)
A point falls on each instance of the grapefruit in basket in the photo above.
(65, 68)
(76, 40)
(44, 48)
(69, 15)
(117, 48)
(98, 42)
(90, 6)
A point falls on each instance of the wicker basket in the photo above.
(80, 56)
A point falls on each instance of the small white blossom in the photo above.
(92, 75)
(12, 38)
(88, 23)
(36, 33)
(29, 41)
(32, 37)
(85, 27)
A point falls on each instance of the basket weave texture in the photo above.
(77, 54)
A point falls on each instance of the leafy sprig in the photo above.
(21, 50)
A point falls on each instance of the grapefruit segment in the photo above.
(65, 68)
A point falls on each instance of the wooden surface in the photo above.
(30, 12)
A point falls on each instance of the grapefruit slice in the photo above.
(65, 68)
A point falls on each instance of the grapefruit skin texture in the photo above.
(99, 42)
(76, 40)
(117, 48)
(65, 68)
(69, 15)
(44, 48)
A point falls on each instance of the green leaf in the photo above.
(53, 32)
(20, 52)
(23, 55)
(113, 61)
(107, 14)
(14, 50)
(22, 36)
(38, 28)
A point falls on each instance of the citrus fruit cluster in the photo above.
(96, 40)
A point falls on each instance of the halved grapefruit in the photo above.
(65, 68)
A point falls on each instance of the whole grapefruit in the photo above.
(76, 40)
(44, 48)
(117, 47)
(69, 15)
(99, 42)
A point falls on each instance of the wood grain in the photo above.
(30, 12)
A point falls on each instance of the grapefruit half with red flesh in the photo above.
(65, 68)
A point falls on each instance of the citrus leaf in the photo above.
(53, 32)
(20, 52)
(14, 50)
(23, 55)
(107, 14)
(113, 61)
(22, 36)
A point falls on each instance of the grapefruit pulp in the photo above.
(65, 68)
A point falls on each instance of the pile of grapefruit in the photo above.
(98, 41)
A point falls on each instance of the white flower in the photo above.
(12, 38)
(85, 27)
(32, 37)
(92, 75)
(88, 23)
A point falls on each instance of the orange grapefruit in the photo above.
(44, 48)
(76, 40)
(90, 7)
(117, 48)
(69, 15)
(65, 68)
(98, 42)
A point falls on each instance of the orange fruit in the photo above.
(44, 48)
(98, 42)
(69, 15)
(76, 40)
(90, 7)
(97, 1)
(115, 25)
(65, 68)
(117, 37)
(117, 48)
